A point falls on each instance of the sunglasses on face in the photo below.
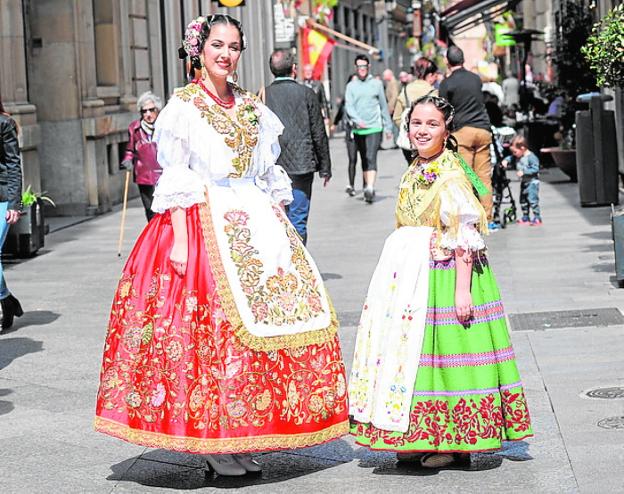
(148, 110)
(362, 67)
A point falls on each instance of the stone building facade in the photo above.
(71, 72)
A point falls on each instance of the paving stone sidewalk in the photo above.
(50, 359)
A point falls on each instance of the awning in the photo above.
(468, 13)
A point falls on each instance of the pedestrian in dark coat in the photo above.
(463, 90)
(141, 151)
(10, 204)
(304, 144)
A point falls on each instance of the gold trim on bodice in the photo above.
(418, 204)
(240, 133)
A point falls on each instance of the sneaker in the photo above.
(536, 222)
(494, 226)
(523, 221)
(350, 191)
(369, 194)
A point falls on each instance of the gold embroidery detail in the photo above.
(240, 133)
(228, 303)
(221, 445)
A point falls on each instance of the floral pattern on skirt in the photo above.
(176, 376)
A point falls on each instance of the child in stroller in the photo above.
(504, 210)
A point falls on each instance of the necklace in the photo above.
(222, 103)
(421, 161)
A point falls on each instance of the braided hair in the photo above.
(198, 31)
(444, 107)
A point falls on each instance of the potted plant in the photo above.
(27, 236)
(564, 155)
(604, 50)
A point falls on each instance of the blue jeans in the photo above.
(298, 210)
(4, 228)
(529, 198)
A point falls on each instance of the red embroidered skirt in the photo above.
(175, 375)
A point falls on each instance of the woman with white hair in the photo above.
(140, 156)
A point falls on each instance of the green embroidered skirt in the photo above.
(468, 396)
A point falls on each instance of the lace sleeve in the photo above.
(273, 179)
(178, 186)
(463, 218)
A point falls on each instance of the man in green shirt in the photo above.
(366, 106)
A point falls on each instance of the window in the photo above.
(106, 59)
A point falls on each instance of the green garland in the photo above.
(476, 182)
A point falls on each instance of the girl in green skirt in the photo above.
(434, 374)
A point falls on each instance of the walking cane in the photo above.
(123, 213)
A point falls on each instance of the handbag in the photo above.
(403, 139)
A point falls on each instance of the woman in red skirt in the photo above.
(222, 339)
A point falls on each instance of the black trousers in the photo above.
(147, 196)
(368, 146)
(352, 156)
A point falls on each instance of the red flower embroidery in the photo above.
(466, 424)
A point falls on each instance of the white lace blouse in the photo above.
(457, 206)
(198, 145)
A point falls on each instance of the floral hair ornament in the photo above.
(193, 38)
(195, 34)
(443, 104)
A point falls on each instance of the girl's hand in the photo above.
(463, 306)
(179, 257)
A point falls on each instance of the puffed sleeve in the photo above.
(178, 186)
(273, 179)
(462, 217)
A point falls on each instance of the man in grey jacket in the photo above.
(304, 144)
(366, 105)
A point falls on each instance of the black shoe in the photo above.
(350, 190)
(10, 308)
(369, 194)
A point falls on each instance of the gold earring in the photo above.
(204, 71)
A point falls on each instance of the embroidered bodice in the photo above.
(199, 144)
(448, 204)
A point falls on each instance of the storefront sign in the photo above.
(284, 26)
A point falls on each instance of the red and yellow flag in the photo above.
(317, 49)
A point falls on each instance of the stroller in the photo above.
(504, 210)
